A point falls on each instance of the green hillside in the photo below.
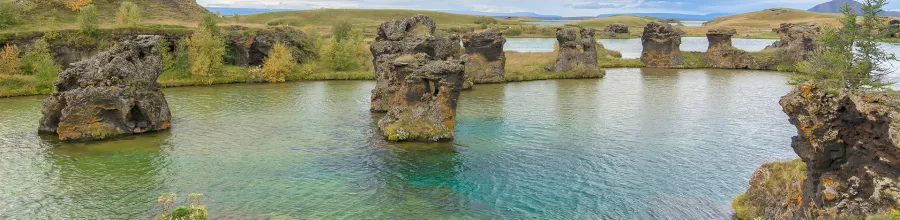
(53, 14)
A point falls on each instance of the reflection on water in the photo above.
(638, 144)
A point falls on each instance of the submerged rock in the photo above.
(721, 53)
(405, 38)
(576, 52)
(797, 40)
(418, 80)
(850, 144)
(485, 59)
(612, 30)
(250, 46)
(662, 45)
(114, 93)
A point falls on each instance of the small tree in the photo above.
(210, 23)
(343, 54)
(278, 64)
(206, 54)
(88, 19)
(128, 14)
(39, 62)
(849, 57)
(236, 18)
(9, 60)
(342, 31)
(77, 4)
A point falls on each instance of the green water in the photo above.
(639, 144)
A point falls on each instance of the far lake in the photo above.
(631, 48)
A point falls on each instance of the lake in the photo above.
(638, 144)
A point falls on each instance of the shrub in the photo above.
(194, 211)
(88, 20)
(128, 15)
(236, 18)
(77, 4)
(9, 15)
(294, 22)
(342, 31)
(181, 63)
(345, 55)
(279, 63)
(485, 20)
(513, 31)
(9, 60)
(210, 23)
(206, 54)
(165, 51)
(39, 62)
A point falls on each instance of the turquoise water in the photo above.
(639, 144)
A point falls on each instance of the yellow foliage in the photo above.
(206, 52)
(128, 14)
(77, 4)
(279, 63)
(9, 60)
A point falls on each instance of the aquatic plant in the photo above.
(194, 211)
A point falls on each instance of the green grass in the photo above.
(777, 187)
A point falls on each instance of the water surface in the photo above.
(639, 144)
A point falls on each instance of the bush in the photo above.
(9, 15)
(39, 62)
(513, 31)
(180, 65)
(294, 22)
(345, 55)
(486, 20)
(279, 63)
(194, 211)
(9, 60)
(128, 15)
(77, 4)
(89, 20)
(342, 31)
(210, 23)
(206, 54)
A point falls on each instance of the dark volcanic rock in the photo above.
(399, 40)
(574, 51)
(114, 93)
(418, 79)
(851, 146)
(662, 45)
(424, 106)
(250, 46)
(485, 59)
(615, 29)
(721, 54)
(797, 40)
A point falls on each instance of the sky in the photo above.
(568, 8)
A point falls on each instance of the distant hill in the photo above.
(772, 18)
(834, 6)
(243, 11)
(365, 17)
(502, 14)
(54, 15)
(705, 17)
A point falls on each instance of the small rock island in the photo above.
(114, 93)
(419, 77)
